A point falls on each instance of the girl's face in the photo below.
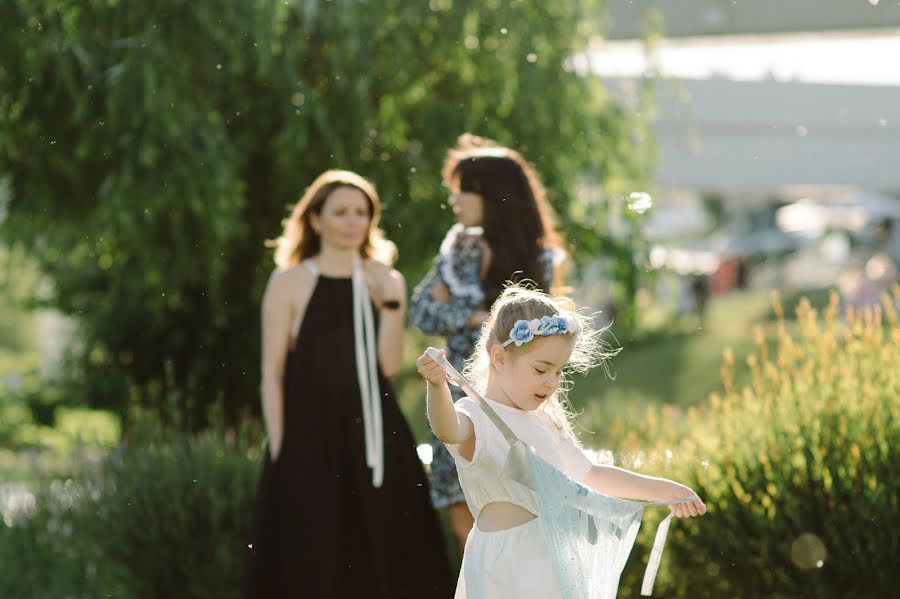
(344, 220)
(467, 206)
(530, 376)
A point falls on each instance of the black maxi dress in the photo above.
(322, 529)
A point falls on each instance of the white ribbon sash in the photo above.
(365, 347)
(367, 374)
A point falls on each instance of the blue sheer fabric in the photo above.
(590, 535)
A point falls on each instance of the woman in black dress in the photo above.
(343, 501)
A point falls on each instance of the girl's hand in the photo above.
(688, 509)
(430, 370)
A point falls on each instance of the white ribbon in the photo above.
(366, 369)
(367, 374)
(656, 556)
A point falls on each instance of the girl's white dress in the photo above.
(514, 562)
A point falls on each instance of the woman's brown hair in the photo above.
(299, 240)
(517, 220)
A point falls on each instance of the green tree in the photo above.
(151, 148)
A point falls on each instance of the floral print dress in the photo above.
(457, 266)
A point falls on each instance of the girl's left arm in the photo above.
(618, 482)
(392, 319)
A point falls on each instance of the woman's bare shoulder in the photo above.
(382, 270)
(290, 280)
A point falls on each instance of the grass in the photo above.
(680, 368)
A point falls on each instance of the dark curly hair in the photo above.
(517, 222)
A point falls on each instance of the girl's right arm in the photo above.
(279, 310)
(625, 484)
(448, 424)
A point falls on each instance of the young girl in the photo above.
(343, 500)
(527, 345)
(503, 229)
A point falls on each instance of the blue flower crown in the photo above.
(526, 330)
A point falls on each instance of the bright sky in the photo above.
(848, 58)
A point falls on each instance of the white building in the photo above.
(763, 102)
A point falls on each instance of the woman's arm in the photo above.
(392, 319)
(441, 294)
(448, 425)
(279, 309)
(276, 327)
(439, 307)
(618, 482)
(435, 317)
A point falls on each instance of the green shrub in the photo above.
(12, 418)
(83, 426)
(73, 430)
(163, 514)
(42, 553)
(798, 468)
(155, 520)
(175, 518)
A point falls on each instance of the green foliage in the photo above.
(42, 549)
(18, 331)
(175, 518)
(798, 467)
(151, 148)
(67, 429)
(157, 520)
(76, 427)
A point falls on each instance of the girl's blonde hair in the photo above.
(521, 301)
(299, 240)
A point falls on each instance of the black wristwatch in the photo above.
(391, 304)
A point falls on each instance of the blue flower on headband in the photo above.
(550, 325)
(525, 330)
(521, 333)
